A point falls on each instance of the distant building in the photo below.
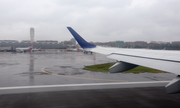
(32, 34)
(140, 44)
(164, 43)
(119, 43)
(175, 43)
(47, 41)
(43, 44)
(153, 42)
(26, 41)
(67, 42)
(128, 44)
(73, 41)
(8, 41)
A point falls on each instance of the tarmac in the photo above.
(56, 79)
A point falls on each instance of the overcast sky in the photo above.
(94, 20)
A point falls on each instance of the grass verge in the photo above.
(105, 68)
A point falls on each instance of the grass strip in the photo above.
(105, 68)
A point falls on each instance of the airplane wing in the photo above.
(164, 60)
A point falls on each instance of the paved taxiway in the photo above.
(61, 72)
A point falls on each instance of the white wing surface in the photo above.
(165, 60)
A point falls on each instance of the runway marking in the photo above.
(79, 77)
(80, 85)
(90, 78)
(42, 70)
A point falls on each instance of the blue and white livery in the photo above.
(165, 60)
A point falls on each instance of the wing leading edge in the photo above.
(129, 58)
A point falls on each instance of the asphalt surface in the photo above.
(154, 97)
(56, 79)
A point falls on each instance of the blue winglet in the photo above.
(80, 40)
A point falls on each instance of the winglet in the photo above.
(80, 40)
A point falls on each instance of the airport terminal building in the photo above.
(44, 44)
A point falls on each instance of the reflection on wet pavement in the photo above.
(65, 70)
(46, 68)
(33, 73)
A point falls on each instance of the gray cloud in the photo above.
(103, 20)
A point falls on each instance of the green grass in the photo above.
(99, 67)
(105, 68)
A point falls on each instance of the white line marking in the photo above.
(88, 84)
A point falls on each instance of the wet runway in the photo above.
(44, 72)
(147, 97)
